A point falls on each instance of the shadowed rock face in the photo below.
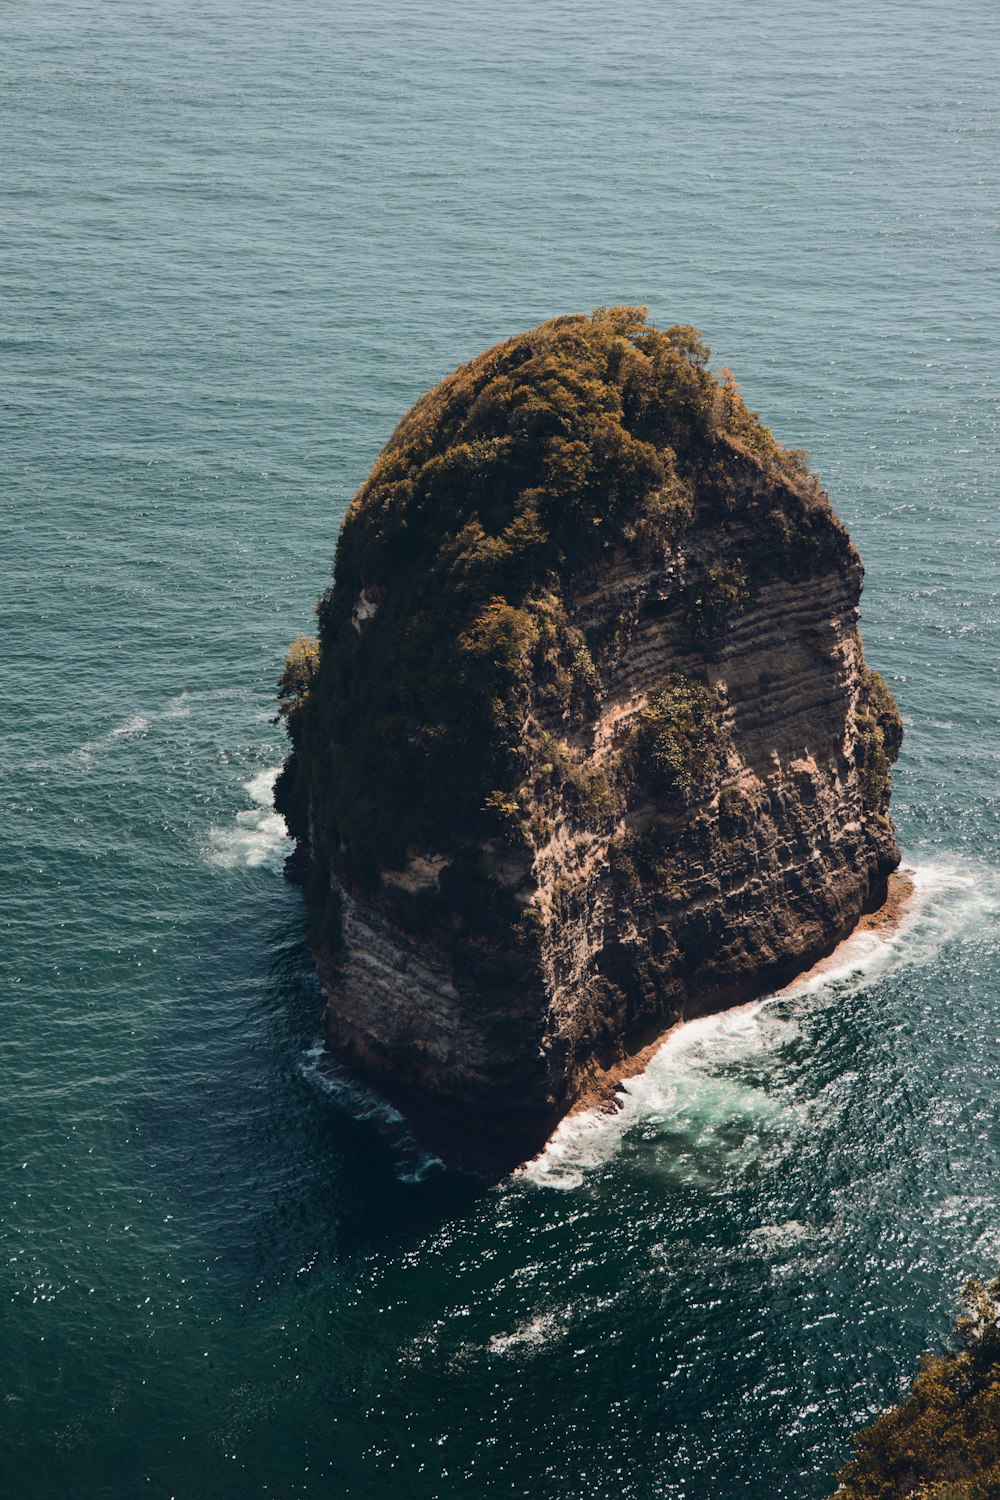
(588, 744)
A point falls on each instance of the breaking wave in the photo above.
(703, 1098)
(257, 837)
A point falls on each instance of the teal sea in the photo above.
(237, 241)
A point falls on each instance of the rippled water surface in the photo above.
(238, 241)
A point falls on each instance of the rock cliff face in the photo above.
(587, 743)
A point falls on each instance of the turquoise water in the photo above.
(238, 241)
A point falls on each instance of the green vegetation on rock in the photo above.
(715, 598)
(445, 639)
(297, 676)
(675, 742)
(880, 734)
(943, 1441)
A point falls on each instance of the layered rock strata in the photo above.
(587, 743)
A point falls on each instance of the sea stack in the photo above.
(587, 743)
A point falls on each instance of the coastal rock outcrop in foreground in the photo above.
(587, 743)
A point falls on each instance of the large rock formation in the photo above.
(587, 743)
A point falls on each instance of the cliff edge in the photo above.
(587, 743)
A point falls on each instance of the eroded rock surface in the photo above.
(588, 744)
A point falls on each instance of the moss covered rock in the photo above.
(943, 1441)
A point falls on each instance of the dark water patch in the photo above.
(266, 1195)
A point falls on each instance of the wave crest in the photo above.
(257, 837)
(701, 1097)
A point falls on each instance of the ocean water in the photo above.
(237, 241)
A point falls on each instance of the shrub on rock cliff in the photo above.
(943, 1441)
(299, 670)
(676, 737)
(880, 734)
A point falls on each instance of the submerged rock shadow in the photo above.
(266, 1176)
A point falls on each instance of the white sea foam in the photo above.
(319, 1069)
(257, 836)
(131, 729)
(688, 1096)
(782, 1239)
(533, 1333)
(138, 724)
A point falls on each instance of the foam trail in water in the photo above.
(131, 729)
(687, 1095)
(258, 836)
(413, 1162)
(533, 1333)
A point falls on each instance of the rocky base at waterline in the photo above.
(587, 744)
(602, 1090)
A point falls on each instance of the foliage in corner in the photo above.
(943, 1441)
